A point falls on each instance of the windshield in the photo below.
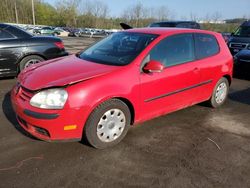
(242, 31)
(118, 49)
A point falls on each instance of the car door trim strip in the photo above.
(178, 91)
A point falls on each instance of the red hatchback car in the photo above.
(126, 78)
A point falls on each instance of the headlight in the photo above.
(50, 99)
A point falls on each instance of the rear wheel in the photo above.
(29, 60)
(108, 124)
(220, 93)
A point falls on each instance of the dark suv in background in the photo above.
(239, 45)
(240, 39)
(179, 24)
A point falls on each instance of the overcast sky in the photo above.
(183, 8)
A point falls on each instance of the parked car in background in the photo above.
(60, 32)
(242, 63)
(126, 78)
(179, 24)
(226, 36)
(48, 31)
(37, 30)
(29, 29)
(19, 49)
(243, 57)
(91, 32)
(74, 32)
(111, 31)
(240, 39)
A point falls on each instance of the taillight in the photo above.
(59, 45)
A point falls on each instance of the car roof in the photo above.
(15, 30)
(168, 31)
(2, 25)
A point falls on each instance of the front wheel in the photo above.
(220, 93)
(108, 124)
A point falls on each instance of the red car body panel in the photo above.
(65, 71)
(89, 84)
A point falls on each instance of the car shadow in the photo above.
(242, 96)
(11, 116)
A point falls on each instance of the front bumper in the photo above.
(48, 125)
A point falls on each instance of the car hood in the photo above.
(61, 72)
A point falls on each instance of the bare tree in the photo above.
(137, 12)
(96, 8)
(193, 16)
(67, 10)
(95, 11)
(216, 16)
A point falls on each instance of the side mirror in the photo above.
(153, 66)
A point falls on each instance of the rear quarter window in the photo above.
(5, 35)
(206, 45)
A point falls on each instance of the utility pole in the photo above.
(16, 13)
(33, 12)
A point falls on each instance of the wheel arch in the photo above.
(130, 106)
(229, 78)
(26, 55)
(123, 99)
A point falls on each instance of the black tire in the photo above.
(91, 126)
(214, 101)
(25, 60)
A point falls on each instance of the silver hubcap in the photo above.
(221, 93)
(31, 62)
(111, 125)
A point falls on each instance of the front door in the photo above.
(178, 84)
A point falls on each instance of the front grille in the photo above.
(238, 45)
(25, 94)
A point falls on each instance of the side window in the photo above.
(174, 50)
(205, 45)
(5, 35)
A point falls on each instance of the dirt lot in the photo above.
(194, 147)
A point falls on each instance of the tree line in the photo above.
(94, 14)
